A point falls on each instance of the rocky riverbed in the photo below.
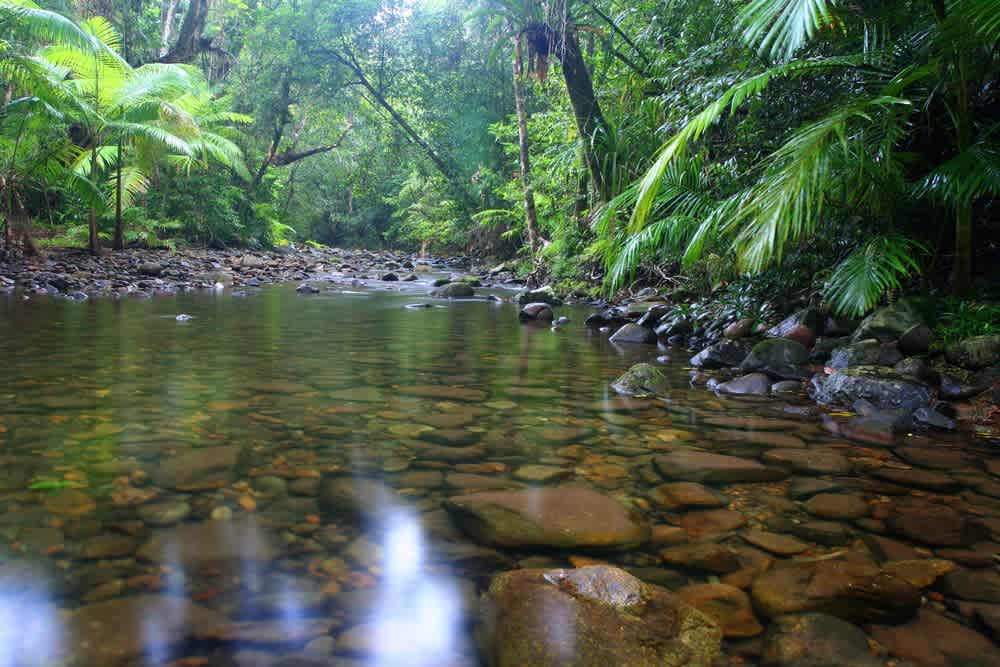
(329, 477)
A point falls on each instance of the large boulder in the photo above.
(977, 352)
(854, 591)
(723, 354)
(591, 617)
(642, 380)
(692, 465)
(889, 323)
(775, 356)
(566, 517)
(883, 387)
(633, 333)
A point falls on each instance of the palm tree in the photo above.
(860, 155)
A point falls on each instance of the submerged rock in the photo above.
(754, 384)
(937, 641)
(566, 517)
(642, 380)
(849, 590)
(198, 469)
(591, 617)
(816, 640)
(692, 465)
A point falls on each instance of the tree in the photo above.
(859, 156)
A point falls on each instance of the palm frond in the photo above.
(964, 178)
(779, 28)
(859, 282)
(731, 100)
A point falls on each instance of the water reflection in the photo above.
(31, 632)
(418, 619)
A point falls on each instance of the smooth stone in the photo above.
(699, 523)
(775, 543)
(933, 640)
(933, 524)
(754, 384)
(685, 494)
(356, 497)
(883, 387)
(804, 487)
(541, 473)
(198, 469)
(849, 590)
(642, 380)
(696, 466)
(539, 312)
(726, 605)
(633, 334)
(814, 461)
(724, 354)
(816, 640)
(921, 479)
(567, 517)
(837, 506)
(591, 617)
(213, 544)
(978, 585)
(164, 514)
(710, 557)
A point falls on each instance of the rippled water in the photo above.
(159, 478)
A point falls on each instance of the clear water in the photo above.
(97, 398)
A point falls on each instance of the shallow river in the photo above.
(160, 480)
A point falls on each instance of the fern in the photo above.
(859, 282)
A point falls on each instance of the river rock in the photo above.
(566, 517)
(889, 323)
(868, 352)
(536, 312)
(692, 465)
(673, 495)
(726, 605)
(633, 334)
(739, 329)
(775, 356)
(881, 386)
(454, 291)
(813, 318)
(816, 640)
(724, 354)
(198, 469)
(837, 506)
(543, 294)
(357, 497)
(122, 629)
(933, 523)
(754, 384)
(850, 590)
(810, 461)
(933, 640)
(210, 544)
(975, 353)
(591, 617)
(708, 556)
(642, 380)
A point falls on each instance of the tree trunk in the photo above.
(189, 39)
(93, 243)
(595, 133)
(169, 15)
(961, 276)
(530, 213)
(119, 230)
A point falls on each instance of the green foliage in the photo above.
(873, 269)
(957, 319)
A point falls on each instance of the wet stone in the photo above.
(933, 640)
(804, 487)
(816, 640)
(921, 479)
(697, 466)
(775, 543)
(726, 605)
(809, 461)
(541, 473)
(708, 522)
(557, 517)
(837, 506)
(685, 494)
(934, 524)
(709, 557)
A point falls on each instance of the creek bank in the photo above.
(884, 370)
(141, 273)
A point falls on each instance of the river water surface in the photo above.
(160, 479)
